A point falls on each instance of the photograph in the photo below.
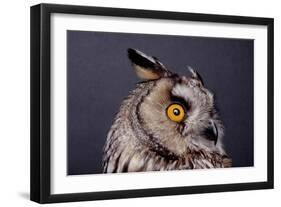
(140, 103)
(145, 102)
(130, 103)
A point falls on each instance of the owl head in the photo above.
(178, 112)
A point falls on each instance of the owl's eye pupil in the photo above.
(176, 112)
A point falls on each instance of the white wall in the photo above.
(14, 100)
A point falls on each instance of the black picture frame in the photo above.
(41, 95)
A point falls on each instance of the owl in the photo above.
(168, 122)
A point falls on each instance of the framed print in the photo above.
(132, 103)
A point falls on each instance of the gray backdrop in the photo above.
(99, 76)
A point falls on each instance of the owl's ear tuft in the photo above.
(147, 67)
(195, 75)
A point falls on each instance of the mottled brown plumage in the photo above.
(144, 137)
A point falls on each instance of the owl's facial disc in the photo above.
(197, 103)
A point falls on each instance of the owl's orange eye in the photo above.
(176, 112)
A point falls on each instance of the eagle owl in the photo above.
(168, 122)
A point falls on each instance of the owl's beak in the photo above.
(211, 132)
